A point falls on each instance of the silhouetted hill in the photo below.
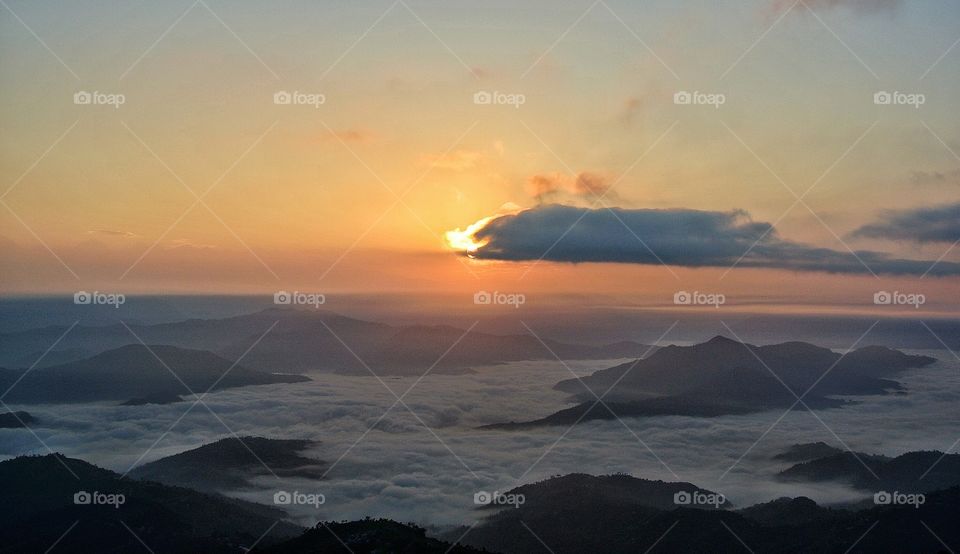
(229, 463)
(807, 451)
(159, 398)
(611, 490)
(13, 420)
(595, 521)
(723, 376)
(301, 340)
(37, 507)
(368, 536)
(910, 472)
(134, 371)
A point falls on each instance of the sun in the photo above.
(463, 240)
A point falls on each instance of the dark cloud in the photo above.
(680, 237)
(939, 224)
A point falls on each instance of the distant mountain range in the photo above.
(131, 372)
(907, 473)
(14, 420)
(230, 463)
(723, 376)
(302, 340)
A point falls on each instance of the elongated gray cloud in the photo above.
(938, 224)
(679, 237)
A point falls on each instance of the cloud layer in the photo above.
(940, 224)
(679, 237)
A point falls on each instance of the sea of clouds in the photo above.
(424, 464)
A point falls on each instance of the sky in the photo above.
(184, 173)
